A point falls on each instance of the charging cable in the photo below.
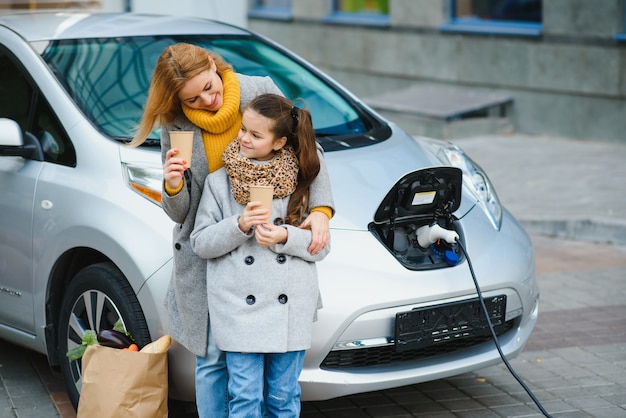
(495, 337)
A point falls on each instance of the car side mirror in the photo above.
(14, 144)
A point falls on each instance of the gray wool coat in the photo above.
(261, 299)
(186, 299)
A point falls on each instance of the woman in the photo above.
(195, 90)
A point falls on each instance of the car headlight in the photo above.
(145, 180)
(474, 178)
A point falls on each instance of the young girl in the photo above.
(262, 282)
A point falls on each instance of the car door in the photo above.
(18, 179)
(22, 102)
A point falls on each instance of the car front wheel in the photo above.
(96, 298)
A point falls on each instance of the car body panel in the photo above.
(16, 228)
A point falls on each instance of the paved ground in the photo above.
(22, 392)
(555, 186)
(570, 196)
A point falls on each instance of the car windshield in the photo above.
(109, 80)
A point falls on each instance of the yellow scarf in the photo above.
(221, 127)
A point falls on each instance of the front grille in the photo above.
(379, 356)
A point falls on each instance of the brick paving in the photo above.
(574, 327)
(22, 393)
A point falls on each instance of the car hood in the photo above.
(362, 177)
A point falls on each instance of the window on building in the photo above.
(49, 4)
(379, 7)
(621, 36)
(368, 12)
(271, 9)
(506, 17)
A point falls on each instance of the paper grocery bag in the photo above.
(119, 383)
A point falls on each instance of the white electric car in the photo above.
(84, 242)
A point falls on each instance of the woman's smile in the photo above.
(203, 91)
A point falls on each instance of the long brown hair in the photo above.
(177, 64)
(296, 125)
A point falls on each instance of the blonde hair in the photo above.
(176, 65)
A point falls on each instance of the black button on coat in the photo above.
(282, 279)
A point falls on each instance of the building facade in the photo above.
(562, 62)
(558, 65)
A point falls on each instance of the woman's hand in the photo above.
(268, 234)
(252, 215)
(318, 223)
(173, 169)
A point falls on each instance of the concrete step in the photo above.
(444, 111)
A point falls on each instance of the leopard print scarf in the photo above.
(280, 172)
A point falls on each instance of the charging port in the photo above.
(415, 220)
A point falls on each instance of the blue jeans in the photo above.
(264, 384)
(212, 383)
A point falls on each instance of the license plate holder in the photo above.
(424, 327)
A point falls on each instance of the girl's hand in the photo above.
(252, 215)
(318, 223)
(173, 169)
(268, 234)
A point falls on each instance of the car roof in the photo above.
(45, 26)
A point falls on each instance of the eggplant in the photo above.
(114, 339)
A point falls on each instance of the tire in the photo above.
(97, 297)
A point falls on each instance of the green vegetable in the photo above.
(90, 337)
(120, 328)
(77, 352)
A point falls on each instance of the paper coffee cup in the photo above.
(183, 140)
(263, 194)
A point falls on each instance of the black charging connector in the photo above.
(495, 337)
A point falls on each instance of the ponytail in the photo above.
(305, 146)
